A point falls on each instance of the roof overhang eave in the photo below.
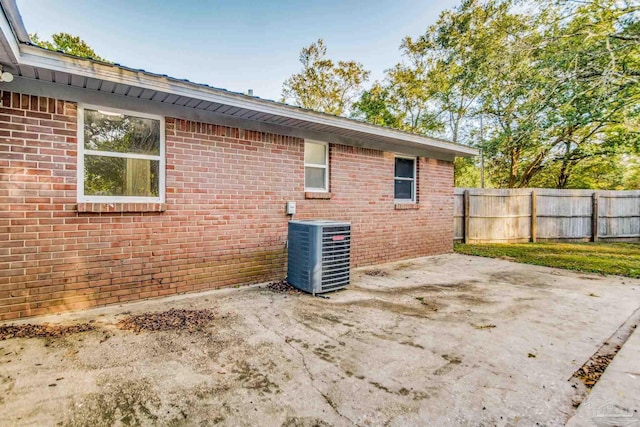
(20, 53)
(37, 57)
(12, 31)
(56, 61)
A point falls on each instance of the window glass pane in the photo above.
(403, 189)
(404, 168)
(120, 133)
(114, 176)
(314, 177)
(315, 153)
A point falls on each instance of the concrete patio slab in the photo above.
(446, 340)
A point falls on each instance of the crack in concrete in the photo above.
(312, 380)
(320, 332)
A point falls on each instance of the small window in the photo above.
(405, 179)
(120, 156)
(316, 166)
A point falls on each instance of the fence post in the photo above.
(594, 217)
(466, 216)
(534, 216)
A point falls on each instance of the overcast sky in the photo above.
(235, 44)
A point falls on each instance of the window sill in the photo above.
(121, 207)
(317, 195)
(406, 206)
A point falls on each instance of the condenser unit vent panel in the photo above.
(319, 255)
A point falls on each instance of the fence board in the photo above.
(618, 215)
(458, 215)
(551, 228)
(505, 215)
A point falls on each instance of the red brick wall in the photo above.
(361, 186)
(224, 223)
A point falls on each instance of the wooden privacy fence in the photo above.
(523, 215)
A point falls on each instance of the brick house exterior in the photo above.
(222, 221)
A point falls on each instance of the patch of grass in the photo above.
(621, 259)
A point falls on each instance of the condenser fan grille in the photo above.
(336, 249)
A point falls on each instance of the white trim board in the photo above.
(105, 100)
(41, 58)
(81, 197)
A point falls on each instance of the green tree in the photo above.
(632, 173)
(322, 85)
(468, 65)
(513, 99)
(67, 43)
(557, 85)
(593, 63)
(403, 100)
(562, 91)
(374, 106)
(466, 172)
(452, 54)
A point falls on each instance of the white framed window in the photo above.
(316, 166)
(405, 179)
(121, 156)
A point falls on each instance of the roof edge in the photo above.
(58, 61)
(11, 11)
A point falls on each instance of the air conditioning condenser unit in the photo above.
(319, 255)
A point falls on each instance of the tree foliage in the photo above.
(67, 43)
(401, 102)
(322, 84)
(466, 173)
(556, 85)
(593, 62)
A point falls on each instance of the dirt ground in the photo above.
(447, 340)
